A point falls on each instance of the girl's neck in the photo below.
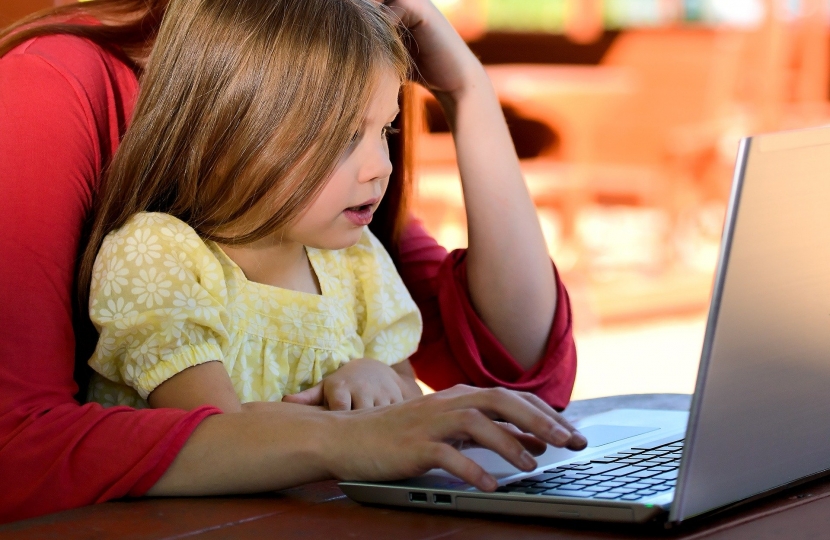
(283, 265)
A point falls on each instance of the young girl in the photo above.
(237, 267)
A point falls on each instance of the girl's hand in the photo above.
(361, 384)
(410, 438)
(444, 61)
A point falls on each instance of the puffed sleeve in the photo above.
(158, 300)
(457, 347)
(390, 323)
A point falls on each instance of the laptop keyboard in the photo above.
(627, 475)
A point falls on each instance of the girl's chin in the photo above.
(339, 240)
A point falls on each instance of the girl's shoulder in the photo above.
(157, 222)
(149, 235)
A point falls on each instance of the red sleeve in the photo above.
(58, 123)
(457, 347)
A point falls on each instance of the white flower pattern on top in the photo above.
(142, 247)
(164, 300)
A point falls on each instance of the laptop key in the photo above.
(645, 473)
(646, 492)
(624, 471)
(570, 487)
(618, 455)
(597, 489)
(548, 485)
(586, 483)
(622, 490)
(629, 479)
(604, 468)
(608, 495)
(544, 477)
(669, 475)
(650, 481)
(613, 483)
(570, 476)
(632, 497)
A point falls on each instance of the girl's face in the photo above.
(335, 219)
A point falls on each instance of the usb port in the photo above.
(441, 499)
(417, 497)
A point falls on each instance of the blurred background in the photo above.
(626, 115)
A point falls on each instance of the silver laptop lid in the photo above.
(760, 417)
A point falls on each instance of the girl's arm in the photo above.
(511, 281)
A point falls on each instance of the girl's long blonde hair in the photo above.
(244, 104)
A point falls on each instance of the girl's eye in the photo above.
(389, 130)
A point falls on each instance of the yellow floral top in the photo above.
(164, 300)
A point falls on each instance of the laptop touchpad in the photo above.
(600, 435)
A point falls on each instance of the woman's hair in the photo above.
(244, 110)
(132, 35)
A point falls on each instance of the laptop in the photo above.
(759, 420)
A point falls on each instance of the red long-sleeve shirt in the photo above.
(64, 105)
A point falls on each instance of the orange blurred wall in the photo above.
(11, 10)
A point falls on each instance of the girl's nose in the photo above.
(377, 164)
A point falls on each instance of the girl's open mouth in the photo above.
(359, 215)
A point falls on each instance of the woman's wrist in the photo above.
(248, 453)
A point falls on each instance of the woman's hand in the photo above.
(289, 445)
(361, 384)
(410, 438)
(445, 63)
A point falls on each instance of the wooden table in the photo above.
(322, 511)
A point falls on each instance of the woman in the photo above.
(494, 315)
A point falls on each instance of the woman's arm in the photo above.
(244, 453)
(59, 120)
(511, 281)
(457, 347)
